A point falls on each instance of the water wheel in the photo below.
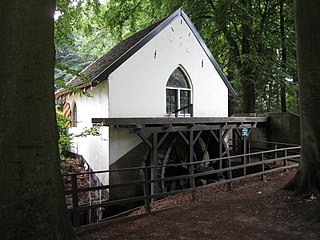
(175, 150)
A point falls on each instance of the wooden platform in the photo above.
(171, 124)
(155, 131)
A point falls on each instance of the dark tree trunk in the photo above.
(240, 47)
(246, 71)
(249, 99)
(32, 194)
(283, 101)
(307, 180)
(283, 59)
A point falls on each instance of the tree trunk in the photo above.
(249, 99)
(32, 194)
(308, 51)
(283, 59)
(246, 73)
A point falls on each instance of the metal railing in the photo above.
(248, 165)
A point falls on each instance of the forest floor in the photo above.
(254, 210)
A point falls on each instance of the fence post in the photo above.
(285, 161)
(230, 185)
(244, 167)
(146, 190)
(75, 201)
(275, 154)
(249, 150)
(191, 168)
(263, 176)
(154, 162)
(244, 150)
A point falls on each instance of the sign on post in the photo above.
(245, 132)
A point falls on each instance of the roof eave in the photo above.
(66, 91)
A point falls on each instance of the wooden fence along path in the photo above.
(280, 157)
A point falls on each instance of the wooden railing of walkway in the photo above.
(281, 159)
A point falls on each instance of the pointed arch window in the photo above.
(74, 116)
(178, 94)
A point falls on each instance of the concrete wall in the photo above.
(121, 142)
(138, 86)
(281, 127)
(284, 127)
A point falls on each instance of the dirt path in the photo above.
(254, 210)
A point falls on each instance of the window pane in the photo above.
(171, 100)
(74, 115)
(178, 79)
(184, 100)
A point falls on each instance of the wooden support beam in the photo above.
(220, 149)
(184, 137)
(191, 167)
(154, 161)
(214, 135)
(145, 140)
(162, 139)
(196, 138)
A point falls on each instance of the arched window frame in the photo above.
(74, 115)
(177, 93)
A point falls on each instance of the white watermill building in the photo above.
(159, 95)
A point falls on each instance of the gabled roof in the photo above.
(100, 69)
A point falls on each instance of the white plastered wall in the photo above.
(138, 86)
(94, 149)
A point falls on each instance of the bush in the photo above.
(64, 138)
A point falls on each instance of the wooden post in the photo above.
(146, 189)
(191, 169)
(249, 151)
(230, 185)
(244, 158)
(245, 146)
(154, 161)
(285, 161)
(220, 151)
(75, 201)
(244, 163)
(275, 154)
(263, 176)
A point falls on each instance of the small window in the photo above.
(178, 94)
(74, 115)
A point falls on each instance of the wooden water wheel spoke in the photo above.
(175, 150)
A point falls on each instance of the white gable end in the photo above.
(138, 86)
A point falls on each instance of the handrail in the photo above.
(261, 159)
(275, 143)
(185, 164)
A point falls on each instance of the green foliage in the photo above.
(92, 131)
(245, 37)
(79, 39)
(64, 138)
